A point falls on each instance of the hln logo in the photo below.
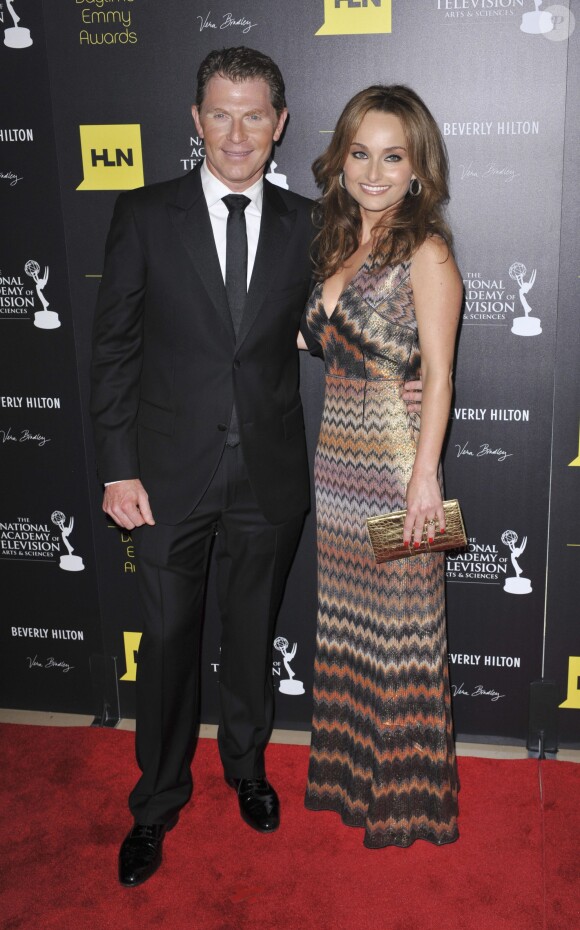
(132, 641)
(572, 701)
(112, 157)
(575, 463)
(355, 17)
(120, 158)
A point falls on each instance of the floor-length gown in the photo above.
(382, 751)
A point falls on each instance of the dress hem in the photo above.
(403, 843)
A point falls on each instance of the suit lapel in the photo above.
(190, 217)
(275, 230)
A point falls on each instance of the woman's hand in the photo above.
(424, 510)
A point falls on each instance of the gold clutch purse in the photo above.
(386, 534)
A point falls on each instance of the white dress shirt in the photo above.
(214, 190)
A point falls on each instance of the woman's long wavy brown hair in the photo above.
(337, 214)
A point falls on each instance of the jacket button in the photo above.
(222, 427)
(237, 364)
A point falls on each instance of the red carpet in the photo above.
(63, 794)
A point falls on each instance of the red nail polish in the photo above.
(431, 540)
(406, 542)
(441, 531)
(416, 545)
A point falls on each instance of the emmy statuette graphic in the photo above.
(516, 584)
(279, 179)
(538, 21)
(16, 36)
(44, 319)
(289, 685)
(524, 325)
(70, 562)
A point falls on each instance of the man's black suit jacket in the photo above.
(167, 365)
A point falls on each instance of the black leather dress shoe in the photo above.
(141, 852)
(259, 804)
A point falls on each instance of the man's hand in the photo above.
(412, 392)
(127, 503)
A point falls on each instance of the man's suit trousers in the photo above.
(253, 559)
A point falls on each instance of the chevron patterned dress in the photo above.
(382, 751)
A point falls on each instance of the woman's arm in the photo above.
(438, 293)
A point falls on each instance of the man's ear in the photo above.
(196, 120)
(280, 124)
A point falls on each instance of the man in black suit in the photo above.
(199, 425)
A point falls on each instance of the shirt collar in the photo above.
(214, 190)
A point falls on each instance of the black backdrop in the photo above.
(96, 98)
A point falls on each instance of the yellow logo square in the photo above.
(112, 157)
(355, 17)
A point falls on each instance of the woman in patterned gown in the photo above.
(386, 307)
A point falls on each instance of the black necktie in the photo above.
(236, 256)
(236, 277)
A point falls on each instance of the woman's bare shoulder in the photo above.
(433, 251)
